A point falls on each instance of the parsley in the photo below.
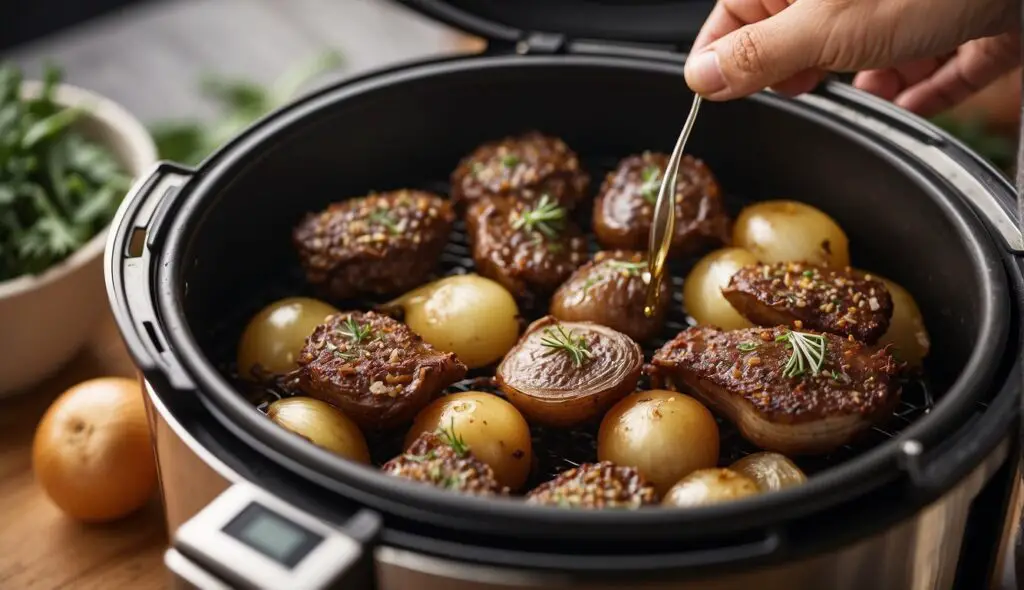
(651, 186)
(510, 160)
(747, 346)
(57, 188)
(385, 218)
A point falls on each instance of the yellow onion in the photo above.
(710, 486)
(770, 471)
(275, 336)
(790, 231)
(702, 290)
(321, 424)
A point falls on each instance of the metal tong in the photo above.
(664, 222)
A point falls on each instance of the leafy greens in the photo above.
(57, 188)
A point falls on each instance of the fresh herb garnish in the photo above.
(559, 339)
(808, 273)
(239, 102)
(385, 218)
(632, 268)
(510, 160)
(589, 283)
(57, 188)
(651, 186)
(747, 346)
(808, 353)
(355, 332)
(546, 217)
(452, 439)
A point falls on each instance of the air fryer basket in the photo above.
(226, 233)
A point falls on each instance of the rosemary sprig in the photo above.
(632, 268)
(385, 218)
(452, 439)
(576, 346)
(545, 217)
(355, 332)
(651, 185)
(808, 353)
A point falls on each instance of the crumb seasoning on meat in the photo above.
(596, 485)
(379, 244)
(374, 368)
(841, 301)
(444, 460)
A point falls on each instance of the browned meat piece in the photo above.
(526, 167)
(528, 248)
(844, 302)
(382, 244)
(788, 392)
(374, 368)
(624, 208)
(595, 485)
(611, 291)
(443, 460)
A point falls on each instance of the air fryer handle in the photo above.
(129, 262)
(987, 191)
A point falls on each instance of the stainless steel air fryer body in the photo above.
(935, 507)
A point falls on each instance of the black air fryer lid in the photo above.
(671, 23)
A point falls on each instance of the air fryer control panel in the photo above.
(249, 539)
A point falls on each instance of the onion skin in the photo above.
(790, 231)
(710, 486)
(549, 389)
(321, 424)
(274, 337)
(770, 471)
(702, 290)
(663, 434)
(469, 315)
(494, 430)
(92, 453)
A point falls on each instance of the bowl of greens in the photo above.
(67, 158)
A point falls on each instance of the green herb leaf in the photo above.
(651, 186)
(560, 340)
(545, 217)
(808, 353)
(385, 218)
(356, 332)
(452, 439)
(747, 346)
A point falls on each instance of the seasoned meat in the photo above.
(564, 374)
(530, 248)
(595, 485)
(788, 392)
(524, 167)
(624, 208)
(611, 290)
(382, 244)
(841, 301)
(374, 368)
(443, 460)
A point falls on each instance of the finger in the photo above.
(800, 83)
(977, 64)
(888, 83)
(758, 55)
(729, 15)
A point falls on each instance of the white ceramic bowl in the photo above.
(45, 319)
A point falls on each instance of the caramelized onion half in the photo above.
(563, 374)
(770, 471)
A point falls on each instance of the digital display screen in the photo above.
(272, 535)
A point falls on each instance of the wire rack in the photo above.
(554, 450)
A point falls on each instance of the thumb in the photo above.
(757, 55)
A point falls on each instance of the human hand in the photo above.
(927, 55)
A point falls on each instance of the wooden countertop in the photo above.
(40, 548)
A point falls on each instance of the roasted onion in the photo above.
(321, 424)
(563, 374)
(790, 231)
(907, 333)
(469, 315)
(663, 434)
(492, 428)
(770, 471)
(702, 290)
(274, 337)
(710, 486)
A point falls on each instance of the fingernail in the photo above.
(704, 74)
